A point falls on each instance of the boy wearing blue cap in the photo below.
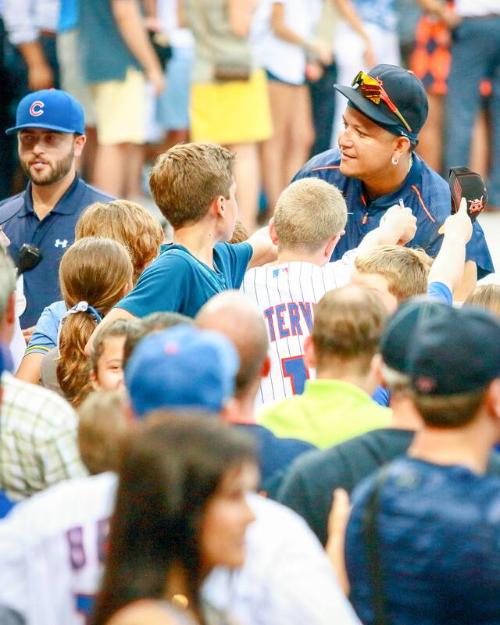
(40, 221)
(375, 166)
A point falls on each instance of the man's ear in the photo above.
(309, 353)
(79, 144)
(376, 370)
(266, 367)
(492, 402)
(272, 232)
(10, 312)
(330, 246)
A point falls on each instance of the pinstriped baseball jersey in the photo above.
(286, 295)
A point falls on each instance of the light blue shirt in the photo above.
(68, 15)
(379, 12)
(44, 337)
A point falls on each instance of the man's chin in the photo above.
(347, 168)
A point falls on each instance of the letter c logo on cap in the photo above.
(36, 109)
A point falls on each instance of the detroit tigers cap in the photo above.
(404, 89)
(182, 367)
(52, 109)
(455, 351)
(401, 328)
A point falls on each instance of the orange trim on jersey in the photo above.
(422, 204)
(326, 167)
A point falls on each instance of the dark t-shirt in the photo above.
(439, 546)
(275, 455)
(308, 485)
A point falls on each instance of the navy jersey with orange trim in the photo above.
(424, 191)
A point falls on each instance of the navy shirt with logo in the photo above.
(423, 190)
(52, 235)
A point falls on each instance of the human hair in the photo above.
(405, 269)
(348, 323)
(235, 316)
(102, 424)
(154, 322)
(240, 233)
(170, 470)
(395, 381)
(486, 296)
(449, 411)
(95, 272)
(308, 213)
(126, 222)
(121, 327)
(187, 178)
(8, 277)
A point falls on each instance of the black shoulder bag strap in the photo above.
(370, 535)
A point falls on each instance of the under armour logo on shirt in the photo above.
(59, 243)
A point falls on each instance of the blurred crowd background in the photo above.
(147, 74)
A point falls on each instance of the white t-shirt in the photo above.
(286, 295)
(168, 15)
(51, 562)
(476, 8)
(286, 60)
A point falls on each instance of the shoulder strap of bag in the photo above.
(371, 538)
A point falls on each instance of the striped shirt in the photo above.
(24, 19)
(38, 439)
(286, 295)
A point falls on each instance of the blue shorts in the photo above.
(172, 110)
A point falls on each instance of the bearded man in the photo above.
(40, 221)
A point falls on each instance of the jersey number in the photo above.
(295, 369)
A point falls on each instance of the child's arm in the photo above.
(264, 250)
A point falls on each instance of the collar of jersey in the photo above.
(66, 205)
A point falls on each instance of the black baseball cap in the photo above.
(401, 328)
(404, 89)
(455, 351)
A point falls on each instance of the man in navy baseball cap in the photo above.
(434, 514)
(40, 221)
(375, 166)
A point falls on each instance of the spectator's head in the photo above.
(94, 275)
(348, 323)
(193, 180)
(126, 222)
(236, 317)
(396, 340)
(396, 273)
(310, 217)
(102, 425)
(50, 126)
(181, 368)
(106, 355)
(486, 296)
(8, 276)
(181, 508)
(155, 322)
(387, 108)
(454, 364)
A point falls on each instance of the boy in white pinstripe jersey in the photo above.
(308, 222)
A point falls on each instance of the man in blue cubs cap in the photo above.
(375, 166)
(181, 367)
(40, 221)
(431, 521)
